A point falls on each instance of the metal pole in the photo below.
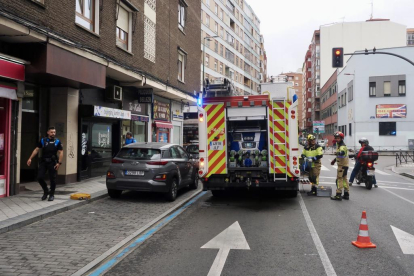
(204, 54)
(382, 53)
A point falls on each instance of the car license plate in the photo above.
(134, 173)
(370, 172)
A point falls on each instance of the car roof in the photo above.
(150, 145)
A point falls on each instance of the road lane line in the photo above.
(99, 266)
(403, 198)
(329, 270)
(324, 168)
(381, 172)
(397, 188)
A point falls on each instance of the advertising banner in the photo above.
(319, 126)
(177, 111)
(391, 111)
(162, 109)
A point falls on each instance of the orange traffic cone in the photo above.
(363, 240)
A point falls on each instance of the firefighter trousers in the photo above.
(342, 180)
(314, 173)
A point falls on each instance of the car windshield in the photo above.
(139, 154)
(192, 149)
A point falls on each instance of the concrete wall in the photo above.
(354, 36)
(360, 111)
(64, 102)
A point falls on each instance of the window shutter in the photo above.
(387, 87)
(123, 19)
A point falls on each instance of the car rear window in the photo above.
(139, 154)
(192, 149)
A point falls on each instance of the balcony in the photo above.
(317, 107)
(317, 94)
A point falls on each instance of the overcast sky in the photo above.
(288, 26)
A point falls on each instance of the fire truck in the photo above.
(248, 142)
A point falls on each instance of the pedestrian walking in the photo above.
(129, 139)
(52, 154)
(314, 152)
(342, 159)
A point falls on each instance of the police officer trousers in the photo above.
(47, 167)
(342, 180)
(314, 173)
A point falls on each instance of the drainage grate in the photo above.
(407, 175)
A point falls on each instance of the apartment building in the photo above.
(263, 61)
(410, 37)
(306, 123)
(329, 107)
(316, 76)
(231, 44)
(94, 70)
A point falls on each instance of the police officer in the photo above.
(343, 164)
(129, 139)
(50, 161)
(315, 152)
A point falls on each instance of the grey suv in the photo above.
(152, 167)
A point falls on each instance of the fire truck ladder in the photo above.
(280, 132)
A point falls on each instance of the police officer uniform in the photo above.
(50, 147)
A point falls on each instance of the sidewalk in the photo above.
(404, 170)
(27, 207)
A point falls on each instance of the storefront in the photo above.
(100, 124)
(138, 124)
(10, 73)
(161, 114)
(190, 132)
(178, 118)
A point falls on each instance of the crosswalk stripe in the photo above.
(381, 172)
(324, 168)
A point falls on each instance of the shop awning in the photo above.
(139, 118)
(11, 70)
(7, 92)
(163, 124)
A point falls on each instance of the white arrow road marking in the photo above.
(231, 238)
(405, 240)
(324, 168)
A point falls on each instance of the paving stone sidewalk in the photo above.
(66, 242)
(407, 169)
(27, 207)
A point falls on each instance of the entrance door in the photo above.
(85, 156)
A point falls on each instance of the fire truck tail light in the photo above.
(201, 117)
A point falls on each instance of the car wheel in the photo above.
(172, 193)
(194, 185)
(114, 193)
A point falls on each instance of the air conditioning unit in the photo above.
(114, 93)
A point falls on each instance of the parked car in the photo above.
(193, 149)
(322, 143)
(152, 167)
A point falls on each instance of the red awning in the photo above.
(164, 124)
(11, 70)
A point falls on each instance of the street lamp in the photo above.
(204, 55)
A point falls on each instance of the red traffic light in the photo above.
(337, 52)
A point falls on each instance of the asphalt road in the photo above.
(282, 238)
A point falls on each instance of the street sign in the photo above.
(231, 238)
(319, 127)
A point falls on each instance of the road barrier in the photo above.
(404, 157)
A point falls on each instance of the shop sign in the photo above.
(391, 111)
(145, 95)
(139, 118)
(101, 111)
(11, 70)
(319, 126)
(131, 103)
(162, 109)
(177, 112)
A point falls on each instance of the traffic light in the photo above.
(337, 57)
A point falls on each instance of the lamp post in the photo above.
(204, 55)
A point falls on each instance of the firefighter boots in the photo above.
(336, 197)
(313, 191)
(346, 196)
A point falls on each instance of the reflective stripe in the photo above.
(364, 221)
(363, 233)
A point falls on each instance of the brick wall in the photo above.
(59, 16)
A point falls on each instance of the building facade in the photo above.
(374, 98)
(263, 61)
(329, 106)
(231, 44)
(410, 37)
(306, 123)
(96, 70)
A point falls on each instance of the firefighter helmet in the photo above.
(339, 134)
(311, 137)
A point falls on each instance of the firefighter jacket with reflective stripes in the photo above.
(342, 158)
(313, 151)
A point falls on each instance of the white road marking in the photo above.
(329, 270)
(397, 188)
(381, 172)
(324, 168)
(231, 238)
(403, 198)
(379, 181)
(405, 240)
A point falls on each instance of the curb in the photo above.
(35, 216)
(90, 267)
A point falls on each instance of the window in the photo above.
(87, 14)
(207, 59)
(350, 129)
(401, 87)
(183, 154)
(221, 14)
(216, 46)
(230, 6)
(221, 68)
(388, 128)
(208, 3)
(215, 65)
(229, 55)
(221, 50)
(216, 9)
(181, 65)
(181, 14)
(216, 27)
(221, 31)
(387, 88)
(123, 28)
(372, 89)
(207, 20)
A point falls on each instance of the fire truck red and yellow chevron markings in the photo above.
(277, 138)
(288, 104)
(216, 132)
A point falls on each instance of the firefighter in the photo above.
(343, 165)
(315, 152)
